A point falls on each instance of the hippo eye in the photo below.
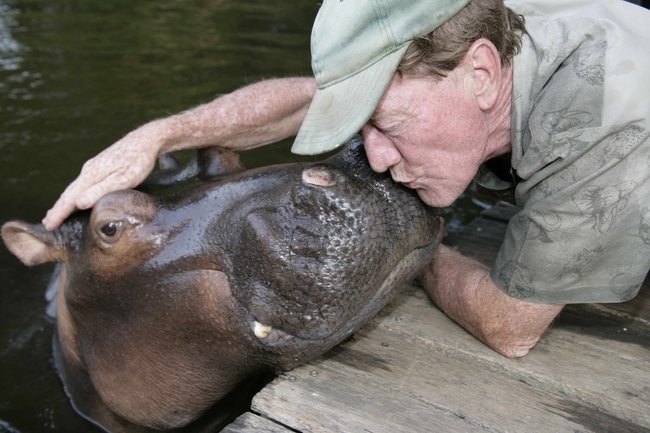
(110, 231)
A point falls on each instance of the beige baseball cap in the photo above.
(356, 47)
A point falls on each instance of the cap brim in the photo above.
(340, 110)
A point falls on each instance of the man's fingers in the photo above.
(121, 166)
(90, 196)
(59, 212)
(68, 201)
(82, 193)
(73, 198)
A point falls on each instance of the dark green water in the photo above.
(75, 76)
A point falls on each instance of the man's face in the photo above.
(430, 134)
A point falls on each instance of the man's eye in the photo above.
(389, 129)
(391, 132)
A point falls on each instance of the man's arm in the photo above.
(462, 289)
(252, 116)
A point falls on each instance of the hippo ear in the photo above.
(32, 244)
(169, 162)
(217, 162)
(209, 164)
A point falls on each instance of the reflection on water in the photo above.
(76, 75)
(9, 48)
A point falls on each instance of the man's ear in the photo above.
(32, 244)
(484, 64)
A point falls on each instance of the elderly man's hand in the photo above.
(124, 165)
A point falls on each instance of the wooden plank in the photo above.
(482, 238)
(606, 373)
(251, 423)
(483, 230)
(383, 381)
(482, 252)
(501, 212)
(338, 404)
(635, 312)
(336, 399)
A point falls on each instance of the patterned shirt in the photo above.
(580, 154)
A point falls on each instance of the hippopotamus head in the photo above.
(166, 303)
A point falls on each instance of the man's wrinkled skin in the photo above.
(166, 304)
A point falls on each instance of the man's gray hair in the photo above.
(443, 49)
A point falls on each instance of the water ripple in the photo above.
(9, 47)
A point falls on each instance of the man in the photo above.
(562, 107)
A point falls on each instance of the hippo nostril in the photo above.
(318, 176)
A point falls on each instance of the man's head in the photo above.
(447, 108)
(430, 98)
(357, 46)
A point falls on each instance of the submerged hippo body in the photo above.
(165, 305)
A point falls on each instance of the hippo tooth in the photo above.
(262, 331)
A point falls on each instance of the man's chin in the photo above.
(434, 200)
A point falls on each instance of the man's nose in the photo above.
(382, 153)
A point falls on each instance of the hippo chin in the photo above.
(166, 304)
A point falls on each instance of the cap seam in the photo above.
(381, 16)
(386, 23)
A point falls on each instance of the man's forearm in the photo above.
(252, 116)
(462, 288)
(258, 114)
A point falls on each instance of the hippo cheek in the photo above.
(172, 357)
(67, 331)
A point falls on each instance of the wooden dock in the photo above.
(411, 369)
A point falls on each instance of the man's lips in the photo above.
(407, 183)
(397, 177)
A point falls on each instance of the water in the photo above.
(75, 76)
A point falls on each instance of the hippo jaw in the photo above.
(159, 365)
(292, 350)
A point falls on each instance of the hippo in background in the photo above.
(168, 302)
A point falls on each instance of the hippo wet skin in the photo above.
(167, 303)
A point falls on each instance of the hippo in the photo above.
(173, 295)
